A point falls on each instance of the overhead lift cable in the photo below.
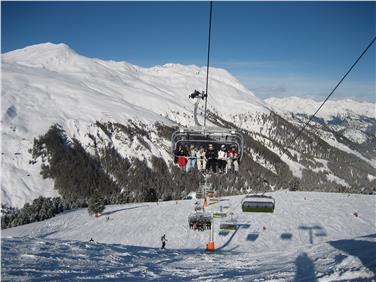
(331, 93)
(207, 62)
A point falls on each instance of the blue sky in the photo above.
(274, 48)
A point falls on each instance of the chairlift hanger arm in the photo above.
(208, 61)
(197, 94)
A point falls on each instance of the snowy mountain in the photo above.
(299, 242)
(115, 119)
(353, 122)
(331, 109)
(46, 84)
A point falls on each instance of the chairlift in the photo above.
(258, 203)
(198, 194)
(198, 207)
(203, 137)
(200, 221)
(210, 194)
(214, 200)
(229, 224)
(219, 214)
(201, 134)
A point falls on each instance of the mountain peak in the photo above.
(47, 55)
(42, 47)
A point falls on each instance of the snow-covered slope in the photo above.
(49, 83)
(310, 235)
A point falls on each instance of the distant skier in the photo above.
(163, 239)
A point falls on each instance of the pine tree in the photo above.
(95, 204)
(150, 195)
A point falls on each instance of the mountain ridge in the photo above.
(332, 108)
(102, 104)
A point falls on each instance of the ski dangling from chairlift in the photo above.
(258, 203)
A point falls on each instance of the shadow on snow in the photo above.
(123, 209)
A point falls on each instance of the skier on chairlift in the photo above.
(222, 159)
(201, 159)
(211, 156)
(233, 156)
(181, 156)
(192, 155)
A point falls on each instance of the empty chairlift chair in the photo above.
(258, 203)
(229, 224)
(220, 213)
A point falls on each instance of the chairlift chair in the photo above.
(202, 135)
(213, 200)
(200, 221)
(229, 224)
(198, 208)
(258, 203)
(216, 136)
(198, 195)
(219, 214)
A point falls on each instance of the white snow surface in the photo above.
(331, 108)
(50, 83)
(310, 236)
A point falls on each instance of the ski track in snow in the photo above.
(310, 236)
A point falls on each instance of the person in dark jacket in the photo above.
(211, 156)
(163, 240)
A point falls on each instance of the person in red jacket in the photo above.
(181, 156)
(232, 158)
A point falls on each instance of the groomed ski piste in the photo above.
(311, 236)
